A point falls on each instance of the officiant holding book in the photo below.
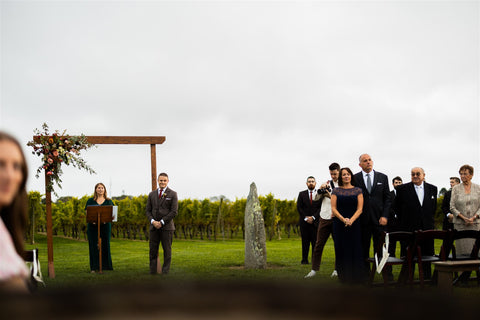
(99, 199)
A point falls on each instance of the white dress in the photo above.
(11, 264)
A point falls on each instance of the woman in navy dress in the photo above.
(347, 203)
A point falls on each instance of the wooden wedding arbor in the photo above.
(151, 140)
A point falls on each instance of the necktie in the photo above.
(369, 183)
(160, 194)
(310, 196)
(420, 194)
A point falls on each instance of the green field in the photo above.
(207, 281)
(191, 260)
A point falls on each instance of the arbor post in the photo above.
(48, 207)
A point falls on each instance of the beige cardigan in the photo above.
(466, 204)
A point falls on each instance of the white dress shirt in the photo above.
(326, 210)
(371, 173)
(158, 194)
(420, 193)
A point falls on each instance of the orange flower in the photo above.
(50, 140)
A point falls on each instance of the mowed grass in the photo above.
(191, 260)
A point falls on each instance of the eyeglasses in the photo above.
(418, 174)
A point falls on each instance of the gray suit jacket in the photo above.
(165, 208)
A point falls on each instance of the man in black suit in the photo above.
(447, 215)
(376, 204)
(309, 211)
(415, 205)
(162, 207)
(393, 219)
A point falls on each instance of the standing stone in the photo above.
(255, 240)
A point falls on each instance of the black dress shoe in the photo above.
(304, 262)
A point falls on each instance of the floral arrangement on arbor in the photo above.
(57, 148)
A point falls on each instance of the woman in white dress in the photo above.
(13, 208)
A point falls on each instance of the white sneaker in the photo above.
(334, 274)
(311, 274)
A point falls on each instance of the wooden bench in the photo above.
(446, 269)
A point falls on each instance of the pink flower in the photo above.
(55, 153)
(50, 160)
(49, 173)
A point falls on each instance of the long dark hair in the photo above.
(14, 215)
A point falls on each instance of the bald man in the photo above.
(415, 205)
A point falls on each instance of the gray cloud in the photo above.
(269, 92)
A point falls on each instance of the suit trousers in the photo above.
(165, 237)
(325, 229)
(309, 236)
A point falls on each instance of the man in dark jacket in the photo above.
(308, 211)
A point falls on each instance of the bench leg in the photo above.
(445, 281)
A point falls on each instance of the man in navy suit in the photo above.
(415, 205)
(376, 204)
(309, 211)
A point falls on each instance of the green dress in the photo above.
(105, 233)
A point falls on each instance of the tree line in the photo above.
(207, 219)
(210, 219)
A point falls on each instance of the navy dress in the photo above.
(348, 240)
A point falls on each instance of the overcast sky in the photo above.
(245, 91)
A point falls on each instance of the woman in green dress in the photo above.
(99, 199)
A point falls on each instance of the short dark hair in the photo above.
(397, 178)
(163, 174)
(340, 181)
(457, 179)
(311, 177)
(334, 166)
(466, 167)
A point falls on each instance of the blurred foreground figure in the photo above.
(13, 207)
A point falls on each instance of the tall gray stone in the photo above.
(255, 240)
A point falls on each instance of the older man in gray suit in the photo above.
(162, 207)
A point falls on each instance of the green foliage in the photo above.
(56, 149)
(197, 219)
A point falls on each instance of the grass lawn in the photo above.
(191, 260)
(207, 281)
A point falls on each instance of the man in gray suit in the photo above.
(162, 207)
